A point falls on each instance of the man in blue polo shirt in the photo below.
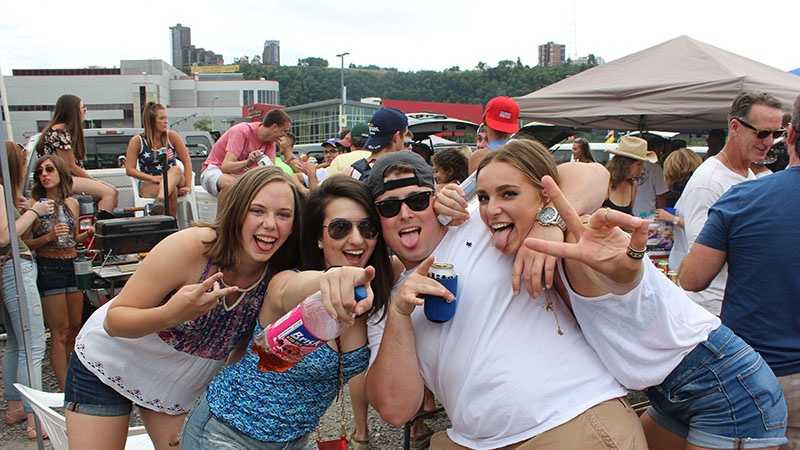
(754, 227)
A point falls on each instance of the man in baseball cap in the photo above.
(387, 130)
(501, 121)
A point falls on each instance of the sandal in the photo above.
(357, 444)
(14, 416)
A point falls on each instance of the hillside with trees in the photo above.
(314, 80)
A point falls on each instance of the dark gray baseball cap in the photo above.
(423, 173)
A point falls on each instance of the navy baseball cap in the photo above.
(333, 142)
(383, 125)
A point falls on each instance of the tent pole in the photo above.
(15, 258)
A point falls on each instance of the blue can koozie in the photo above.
(437, 309)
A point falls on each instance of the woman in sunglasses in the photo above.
(15, 366)
(708, 389)
(341, 248)
(54, 240)
(63, 137)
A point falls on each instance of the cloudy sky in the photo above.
(409, 35)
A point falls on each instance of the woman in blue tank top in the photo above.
(246, 408)
(142, 157)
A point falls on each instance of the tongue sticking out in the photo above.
(410, 239)
(501, 237)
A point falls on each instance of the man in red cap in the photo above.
(501, 121)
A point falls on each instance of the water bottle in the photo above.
(264, 161)
(64, 240)
(302, 330)
(83, 269)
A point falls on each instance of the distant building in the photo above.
(552, 54)
(181, 38)
(315, 122)
(465, 111)
(272, 53)
(114, 98)
(184, 54)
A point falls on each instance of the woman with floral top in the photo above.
(63, 137)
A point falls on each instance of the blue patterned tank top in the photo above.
(148, 158)
(215, 334)
(281, 406)
(46, 223)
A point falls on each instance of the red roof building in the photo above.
(472, 112)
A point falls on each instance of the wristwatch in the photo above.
(549, 217)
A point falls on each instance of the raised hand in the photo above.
(451, 202)
(44, 207)
(410, 294)
(337, 286)
(601, 244)
(535, 270)
(194, 300)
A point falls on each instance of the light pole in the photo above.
(213, 111)
(342, 118)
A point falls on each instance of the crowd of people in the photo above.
(559, 312)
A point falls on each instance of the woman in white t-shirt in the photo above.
(707, 387)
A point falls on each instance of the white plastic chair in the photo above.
(55, 424)
(140, 202)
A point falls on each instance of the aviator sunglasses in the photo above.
(417, 202)
(763, 134)
(341, 228)
(48, 169)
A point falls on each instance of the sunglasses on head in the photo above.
(763, 134)
(341, 228)
(48, 169)
(417, 202)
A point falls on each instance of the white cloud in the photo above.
(411, 35)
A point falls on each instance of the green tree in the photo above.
(202, 125)
(312, 61)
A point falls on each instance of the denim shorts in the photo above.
(203, 431)
(722, 395)
(56, 276)
(84, 393)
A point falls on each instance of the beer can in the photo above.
(437, 309)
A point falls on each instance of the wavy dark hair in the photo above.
(453, 160)
(224, 250)
(68, 112)
(342, 186)
(64, 182)
(586, 152)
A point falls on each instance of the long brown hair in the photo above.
(586, 152)
(68, 112)
(155, 139)
(65, 178)
(618, 168)
(16, 168)
(530, 157)
(224, 249)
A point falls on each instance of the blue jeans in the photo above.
(722, 395)
(203, 431)
(15, 366)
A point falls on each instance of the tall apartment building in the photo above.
(552, 54)
(272, 53)
(185, 54)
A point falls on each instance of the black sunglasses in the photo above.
(763, 134)
(417, 202)
(341, 228)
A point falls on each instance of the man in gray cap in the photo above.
(492, 400)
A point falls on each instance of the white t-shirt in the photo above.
(651, 184)
(705, 187)
(499, 367)
(643, 335)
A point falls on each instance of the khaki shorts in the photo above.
(609, 425)
(791, 391)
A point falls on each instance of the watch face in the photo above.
(548, 215)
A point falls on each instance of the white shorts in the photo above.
(208, 179)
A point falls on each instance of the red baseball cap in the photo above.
(502, 114)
